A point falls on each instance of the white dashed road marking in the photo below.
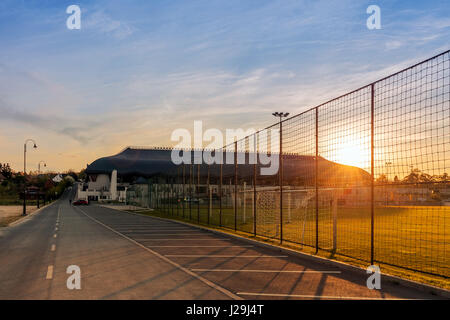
(49, 273)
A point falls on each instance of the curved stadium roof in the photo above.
(297, 169)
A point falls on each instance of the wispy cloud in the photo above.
(99, 21)
(55, 124)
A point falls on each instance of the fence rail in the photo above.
(364, 175)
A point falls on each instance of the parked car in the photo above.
(80, 202)
(193, 200)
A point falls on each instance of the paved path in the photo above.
(125, 256)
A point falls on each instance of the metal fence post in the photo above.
(165, 196)
(166, 210)
(281, 180)
(156, 196)
(171, 195)
(372, 199)
(220, 191)
(190, 191)
(235, 185)
(209, 194)
(184, 189)
(254, 184)
(178, 191)
(149, 194)
(317, 180)
(198, 193)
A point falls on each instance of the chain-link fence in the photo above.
(364, 175)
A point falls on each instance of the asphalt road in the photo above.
(126, 256)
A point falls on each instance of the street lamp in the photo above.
(281, 115)
(39, 166)
(39, 191)
(24, 213)
(388, 163)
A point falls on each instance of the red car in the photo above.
(80, 202)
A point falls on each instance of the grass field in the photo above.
(16, 201)
(413, 239)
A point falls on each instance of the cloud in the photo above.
(53, 123)
(394, 44)
(102, 23)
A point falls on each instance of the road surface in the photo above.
(126, 256)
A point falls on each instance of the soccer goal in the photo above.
(296, 208)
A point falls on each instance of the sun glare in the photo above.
(352, 155)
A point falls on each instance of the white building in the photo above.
(58, 178)
(102, 187)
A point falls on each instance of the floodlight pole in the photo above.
(24, 212)
(281, 115)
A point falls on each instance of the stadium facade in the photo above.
(135, 170)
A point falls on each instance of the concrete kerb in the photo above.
(338, 264)
(25, 218)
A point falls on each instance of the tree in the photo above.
(425, 177)
(413, 176)
(69, 180)
(5, 170)
(72, 174)
(82, 174)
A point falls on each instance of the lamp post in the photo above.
(24, 213)
(281, 115)
(39, 172)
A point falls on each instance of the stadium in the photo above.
(109, 178)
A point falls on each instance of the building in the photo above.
(141, 170)
(58, 178)
(102, 187)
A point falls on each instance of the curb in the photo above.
(341, 265)
(24, 218)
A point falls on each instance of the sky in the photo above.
(138, 70)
